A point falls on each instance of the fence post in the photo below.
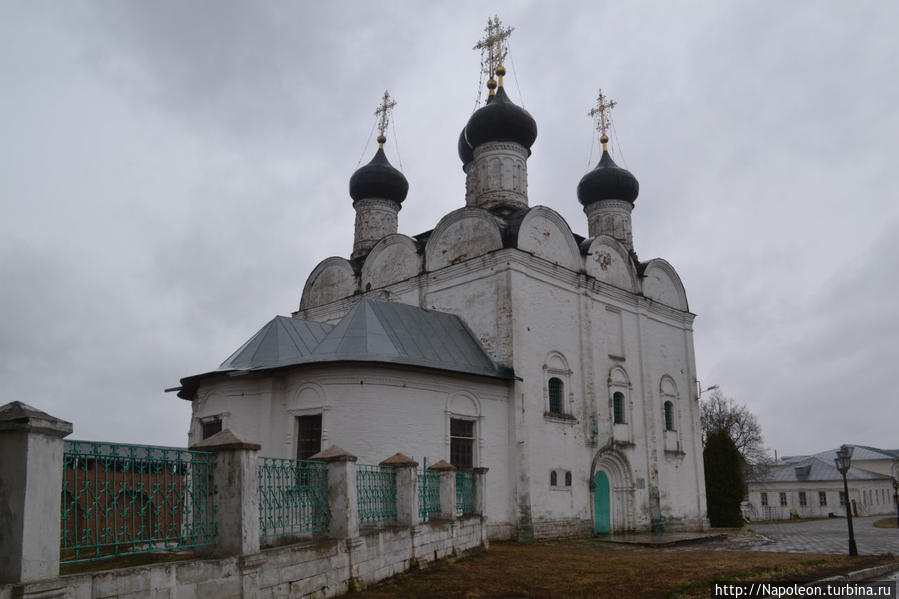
(447, 489)
(479, 484)
(342, 494)
(406, 488)
(236, 492)
(31, 446)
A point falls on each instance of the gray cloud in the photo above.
(170, 173)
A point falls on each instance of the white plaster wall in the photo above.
(607, 260)
(878, 501)
(395, 258)
(332, 279)
(545, 234)
(372, 412)
(461, 235)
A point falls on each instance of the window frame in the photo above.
(764, 498)
(783, 499)
(668, 409)
(457, 439)
(300, 419)
(559, 398)
(619, 408)
(822, 498)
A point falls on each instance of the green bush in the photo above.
(723, 480)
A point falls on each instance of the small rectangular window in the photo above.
(802, 498)
(462, 443)
(842, 499)
(554, 387)
(618, 407)
(211, 427)
(764, 499)
(783, 499)
(309, 436)
(822, 498)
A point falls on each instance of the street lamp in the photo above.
(896, 497)
(843, 462)
(701, 390)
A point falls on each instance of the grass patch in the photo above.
(586, 568)
(886, 523)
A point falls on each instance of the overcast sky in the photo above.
(171, 172)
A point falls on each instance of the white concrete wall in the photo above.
(872, 498)
(371, 412)
(322, 569)
(547, 298)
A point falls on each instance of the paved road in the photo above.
(828, 536)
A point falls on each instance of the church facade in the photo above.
(499, 339)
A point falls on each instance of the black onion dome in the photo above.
(607, 181)
(466, 153)
(378, 179)
(501, 120)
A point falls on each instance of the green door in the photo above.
(601, 522)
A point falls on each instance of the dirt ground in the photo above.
(588, 568)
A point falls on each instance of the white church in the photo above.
(499, 339)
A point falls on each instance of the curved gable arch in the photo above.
(555, 361)
(394, 258)
(662, 284)
(667, 387)
(544, 233)
(463, 403)
(461, 235)
(618, 377)
(608, 261)
(307, 396)
(333, 279)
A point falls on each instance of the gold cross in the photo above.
(383, 113)
(493, 46)
(604, 120)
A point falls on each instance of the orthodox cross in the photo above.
(600, 114)
(493, 47)
(383, 114)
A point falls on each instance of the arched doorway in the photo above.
(613, 492)
(602, 517)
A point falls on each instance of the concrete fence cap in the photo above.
(399, 459)
(223, 440)
(334, 454)
(19, 416)
(442, 465)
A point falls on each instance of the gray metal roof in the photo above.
(862, 452)
(282, 341)
(812, 468)
(372, 331)
(378, 331)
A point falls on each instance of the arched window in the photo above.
(555, 388)
(669, 416)
(618, 407)
(568, 478)
(553, 480)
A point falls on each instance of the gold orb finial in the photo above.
(491, 85)
(500, 71)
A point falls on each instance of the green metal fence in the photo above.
(376, 489)
(464, 493)
(293, 497)
(428, 494)
(119, 499)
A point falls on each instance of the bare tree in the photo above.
(718, 412)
